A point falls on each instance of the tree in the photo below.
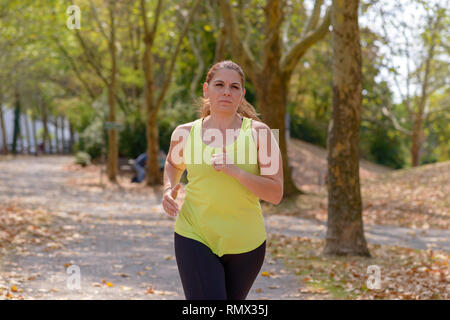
(345, 235)
(271, 73)
(153, 105)
(425, 69)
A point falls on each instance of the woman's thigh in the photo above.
(241, 271)
(201, 271)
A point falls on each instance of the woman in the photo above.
(220, 238)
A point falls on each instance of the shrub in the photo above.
(82, 158)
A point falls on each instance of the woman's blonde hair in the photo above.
(245, 109)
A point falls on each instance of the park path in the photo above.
(124, 239)
(115, 237)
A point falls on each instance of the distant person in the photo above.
(41, 148)
(219, 234)
(140, 165)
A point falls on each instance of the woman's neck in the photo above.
(222, 122)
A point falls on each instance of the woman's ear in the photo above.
(205, 89)
(243, 95)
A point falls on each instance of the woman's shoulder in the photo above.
(259, 125)
(184, 128)
(256, 127)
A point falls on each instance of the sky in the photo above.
(413, 16)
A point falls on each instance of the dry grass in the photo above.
(404, 273)
(413, 197)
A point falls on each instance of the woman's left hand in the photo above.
(221, 162)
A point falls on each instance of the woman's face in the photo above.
(224, 91)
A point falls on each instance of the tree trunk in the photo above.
(46, 136)
(55, 124)
(62, 135)
(416, 140)
(272, 93)
(154, 175)
(3, 128)
(16, 132)
(28, 132)
(345, 235)
(33, 130)
(113, 150)
(72, 137)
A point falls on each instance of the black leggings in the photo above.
(206, 276)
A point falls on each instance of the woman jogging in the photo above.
(232, 161)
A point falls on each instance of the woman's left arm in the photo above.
(268, 185)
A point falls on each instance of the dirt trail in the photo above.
(122, 242)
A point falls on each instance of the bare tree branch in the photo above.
(175, 54)
(150, 34)
(241, 52)
(201, 64)
(99, 23)
(313, 18)
(388, 113)
(74, 66)
(290, 60)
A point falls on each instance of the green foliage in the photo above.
(82, 158)
(310, 130)
(91, 139)
(34, 37)
(384, 146)
(132, 139)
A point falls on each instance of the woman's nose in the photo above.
(227, 91)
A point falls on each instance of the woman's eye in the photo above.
(219, 85)
(235, 87)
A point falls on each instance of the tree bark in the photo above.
(28, 132)
(62, 135)
(57, 145)
(33, 130)
(152, 171)
(154, 174)
(416, 139)
(345, 234)
(16, 132)
(3, 128)
(113, 150)
(46, 136)
(72, 137)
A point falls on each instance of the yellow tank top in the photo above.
(218, 210)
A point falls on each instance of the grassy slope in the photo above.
(412, 197)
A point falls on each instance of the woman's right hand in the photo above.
(168, 203)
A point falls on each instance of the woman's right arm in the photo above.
(173, 169)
